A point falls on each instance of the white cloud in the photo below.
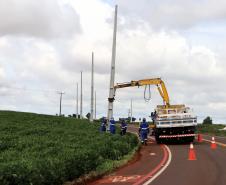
(173, 14)
(45, 19)
(35, 68)
(2, 73)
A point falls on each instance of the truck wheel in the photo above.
(157, 139)
(190, 139)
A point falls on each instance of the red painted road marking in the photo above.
(156, 169)
(141, 179)
(162, 169)
(118, 179)
(126, 179)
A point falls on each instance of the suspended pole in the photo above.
(112, 78)
(129, 113)
(92, 88)
(95, 106)
(131, 110)
(77, 101)
(61, 93)
(81, 98)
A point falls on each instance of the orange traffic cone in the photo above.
(213, 144)
(199, 138)
(191, 155)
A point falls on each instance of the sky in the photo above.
(45, 44)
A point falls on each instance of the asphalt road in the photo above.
(219, 139)
(208, 169)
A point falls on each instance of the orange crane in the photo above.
(171, 121)
(153, 81)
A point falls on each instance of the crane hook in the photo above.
(147, 98)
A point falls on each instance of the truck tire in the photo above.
(189, 139)
(157, 139)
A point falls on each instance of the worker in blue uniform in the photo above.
(123, 127)
(143, 131)
(112, 126)
(103, 125)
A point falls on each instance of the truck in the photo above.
(171, 122)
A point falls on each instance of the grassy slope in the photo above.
(212, 129)
(39, 149)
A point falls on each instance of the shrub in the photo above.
(45, 150)
(207, 120)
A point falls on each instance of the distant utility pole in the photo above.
(112, 78)
(92, 88)
(95, 103)
(131, 110)
(129, 113)
(61, 93)
(77, 101)
(81, 98)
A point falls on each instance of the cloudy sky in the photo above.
(45, 44)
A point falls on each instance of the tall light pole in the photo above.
(77, 101)
(61, 93)
(92, 88)
(81, 98)
(112, 79)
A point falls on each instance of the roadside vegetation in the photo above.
(46, 150)
(207, 127)
(213, 129)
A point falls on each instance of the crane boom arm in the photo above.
(153, 81)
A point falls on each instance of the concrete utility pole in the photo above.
(129, 113)
(77, 101)
(112, 80)
(131, 110)
(61, 93)
(92, 88)
(95, 103)
(81, 98)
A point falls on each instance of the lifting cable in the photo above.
(147, 98)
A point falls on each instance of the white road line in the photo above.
(163, 169)
(222, 137)
(221, 144)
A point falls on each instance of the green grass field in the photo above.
(212, 129)
(46, 150)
